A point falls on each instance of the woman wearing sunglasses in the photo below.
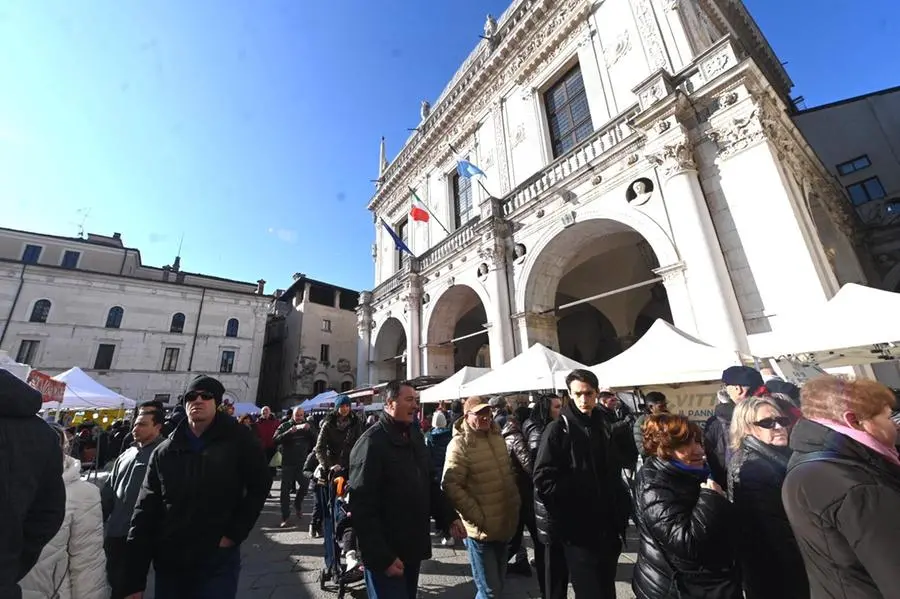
(771, 563)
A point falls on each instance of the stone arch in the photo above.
(461, 310)
(592, 222)
(391, 343)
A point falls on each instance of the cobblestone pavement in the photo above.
(280, 564)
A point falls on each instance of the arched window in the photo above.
(177, 323)
(231, 329)
(114, 317)
(346, 386)
(41, 311)
(319, 387)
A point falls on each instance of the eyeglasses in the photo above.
(199, 395)
(480, 415)
(770, 423)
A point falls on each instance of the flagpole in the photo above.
(428, 208)
(480, 184)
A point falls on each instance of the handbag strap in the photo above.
(825, 455)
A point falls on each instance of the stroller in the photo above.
(336, 528)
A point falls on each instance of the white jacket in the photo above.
(73, 564)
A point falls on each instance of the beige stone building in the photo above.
(140, 330)
(639, 162)
(311, 342)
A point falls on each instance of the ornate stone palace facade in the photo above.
(639, 147)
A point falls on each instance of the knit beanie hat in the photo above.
(206, 384)
(341, 400)
(438, 420)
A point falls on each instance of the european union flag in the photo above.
(398, 243)
(467, 169)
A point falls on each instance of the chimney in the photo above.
(261, 287)
(166, 270)
(117, 236)
(279, 293)
(176, 266)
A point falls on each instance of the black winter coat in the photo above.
(533, 430)
(580, 496)
(394, 494)
(715, 442)
(194, 494)
(295, 445)
(771, 564)
(334, 443)
(520, 458)
(621, 431)
(685, 536)
(32, 492)
(845, 513)
(437, 441)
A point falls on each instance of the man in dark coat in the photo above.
(739, 383)
(296, 439)
(204, 489)
(581, 502)
(393, 495)
(32, 492)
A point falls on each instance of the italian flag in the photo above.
(418, 211)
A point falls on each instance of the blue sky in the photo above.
(252, 128)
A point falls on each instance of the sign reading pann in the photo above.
(50, 389)
(697, 402)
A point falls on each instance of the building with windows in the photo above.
(310, 342)
(639, 162)
(858, 140)
(139, 330)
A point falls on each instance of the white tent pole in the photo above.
(604, 294)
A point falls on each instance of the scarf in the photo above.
(863, 438)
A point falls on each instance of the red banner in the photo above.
(50, 390)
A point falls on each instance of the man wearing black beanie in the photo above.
(204, 489)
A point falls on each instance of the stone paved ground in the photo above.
(281, 564)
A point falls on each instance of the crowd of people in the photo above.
(783, 493)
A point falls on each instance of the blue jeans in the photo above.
(381, 586)
(214, 578)
(488, 560)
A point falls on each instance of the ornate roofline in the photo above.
(486, 72)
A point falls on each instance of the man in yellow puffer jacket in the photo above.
(478, 479)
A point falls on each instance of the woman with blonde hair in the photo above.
(842, 490)
(73, 564)
(771, 564)
(684, 518)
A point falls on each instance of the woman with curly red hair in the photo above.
(683, 518)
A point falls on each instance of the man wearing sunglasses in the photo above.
(204, 489)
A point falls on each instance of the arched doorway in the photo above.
(456, 335)
(580, 262)
(389, 358)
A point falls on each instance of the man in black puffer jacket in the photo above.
(204, 489)
(32, 492)
(581, 502)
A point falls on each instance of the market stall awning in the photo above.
(856, 326)
(532, 370)
(451, 388)
(320, 400)
(664, 355)
(83, 392)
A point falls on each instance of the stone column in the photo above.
(532, 328)
(306, 287)
(679, 297)
(716, 314)
(364, 343)
(414, 312)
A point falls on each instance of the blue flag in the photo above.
(398, 243)
(467, 169)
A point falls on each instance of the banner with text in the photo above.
(697, 402)
(50, 389)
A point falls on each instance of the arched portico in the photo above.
(389, 356)
(455, 330)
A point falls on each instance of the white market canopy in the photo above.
(20, 371)
(320, 400)
(856, 326)
(664, 355)
(535, 368)
(451, 388)
(83, 392)
(244, 407)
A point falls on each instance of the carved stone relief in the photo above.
(519, 136)
(500, 148)
(675, 158)
(649, 33)
(621, 47)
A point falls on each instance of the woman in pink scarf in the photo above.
(842, 491)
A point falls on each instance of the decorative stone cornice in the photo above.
(739, 133)
(675, 158)
(527, 44)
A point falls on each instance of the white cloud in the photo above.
(285, 235)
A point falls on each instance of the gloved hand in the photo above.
(319, 474)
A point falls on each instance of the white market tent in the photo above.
(535, 368)
(20, 371)
(664, 355)
(83, 392)
(326, 397)
(451, 388)
(244, 407)
(855, 327)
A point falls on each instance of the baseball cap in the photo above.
(474, 405)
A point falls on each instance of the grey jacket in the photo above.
(120, 492)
